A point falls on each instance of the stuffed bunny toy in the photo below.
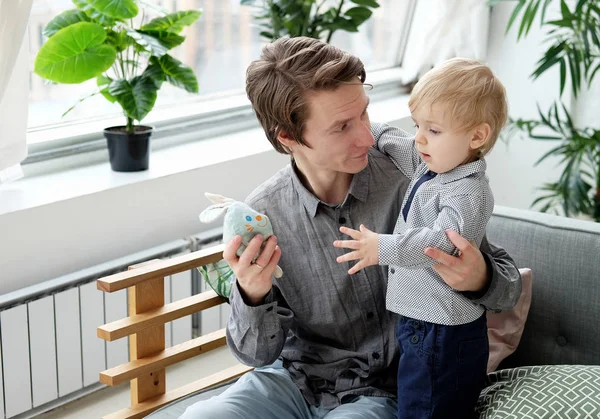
(241, 220)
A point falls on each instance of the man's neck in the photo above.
(329, 187)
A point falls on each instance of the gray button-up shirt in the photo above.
(460, 199)
(332, 330)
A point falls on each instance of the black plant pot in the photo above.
(128, 152)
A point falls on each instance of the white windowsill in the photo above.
(35, 191)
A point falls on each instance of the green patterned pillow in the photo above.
(542, 392)
(218, 276)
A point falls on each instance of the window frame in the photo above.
(214, 115)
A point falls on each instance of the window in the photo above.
(219, 47)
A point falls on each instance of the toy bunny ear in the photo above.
(218, 199)
(219, 208)
(213, 212)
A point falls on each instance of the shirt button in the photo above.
(375, 355)
(270, 308)
(392, 270)
(414, 339)
(370, 315)
(273, 337)
(342, 220)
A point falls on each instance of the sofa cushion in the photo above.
(563, 254)
(542, 392)
(506, 328)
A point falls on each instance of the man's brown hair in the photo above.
(288, 68)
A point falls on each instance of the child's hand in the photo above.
(365, 246)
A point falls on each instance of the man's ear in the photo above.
(285, 140)
(480, 136)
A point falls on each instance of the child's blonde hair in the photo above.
(471, 93)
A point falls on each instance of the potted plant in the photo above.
(573, 45)
(310, 18)
(98, 40)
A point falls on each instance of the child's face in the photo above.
(441, 147)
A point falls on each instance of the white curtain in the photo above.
(443, 29)
(14, 86)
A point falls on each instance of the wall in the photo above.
(48, 241)
(510, 165)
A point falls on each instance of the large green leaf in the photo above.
(341, 23)
(66, 18)
(156, 74)
(136, 97)
(115, 9)
(358, 14)
(147, 42)
(174, 22)
(177, 73)
(94, 14)
(368, 3)
(75, 54)
(168, 39)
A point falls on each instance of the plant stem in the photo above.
(131, 63)
(130, 125)
(337, 14)
(304, 30)
(120, 58)
(319, 6)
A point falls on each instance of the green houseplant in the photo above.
(573, 46)
(278, 18)
(98, 40)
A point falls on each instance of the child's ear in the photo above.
(480, 136)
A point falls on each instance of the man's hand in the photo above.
(465, 272)
(365, 246)
(254, 279)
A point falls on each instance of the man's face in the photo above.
(337, 131)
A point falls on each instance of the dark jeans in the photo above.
(442, 369)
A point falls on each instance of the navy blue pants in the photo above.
(442, 369)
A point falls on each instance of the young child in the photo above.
(459, 109)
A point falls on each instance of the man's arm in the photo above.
(398, 145)
(504, 280)
(259, 320)
(256, 334)
(492, 280)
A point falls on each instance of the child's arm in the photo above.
(398, 145)
(465, 214)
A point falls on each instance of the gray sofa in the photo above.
(564, 256)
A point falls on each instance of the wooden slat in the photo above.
(129, 325)
(170, 356)
(143, 297)
(144, 408)
(161, 269)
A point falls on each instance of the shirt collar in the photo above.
(359, 189)
(309, 201)
(462, 171)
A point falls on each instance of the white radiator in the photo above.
(49, 351)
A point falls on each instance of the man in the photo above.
(323, 339)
